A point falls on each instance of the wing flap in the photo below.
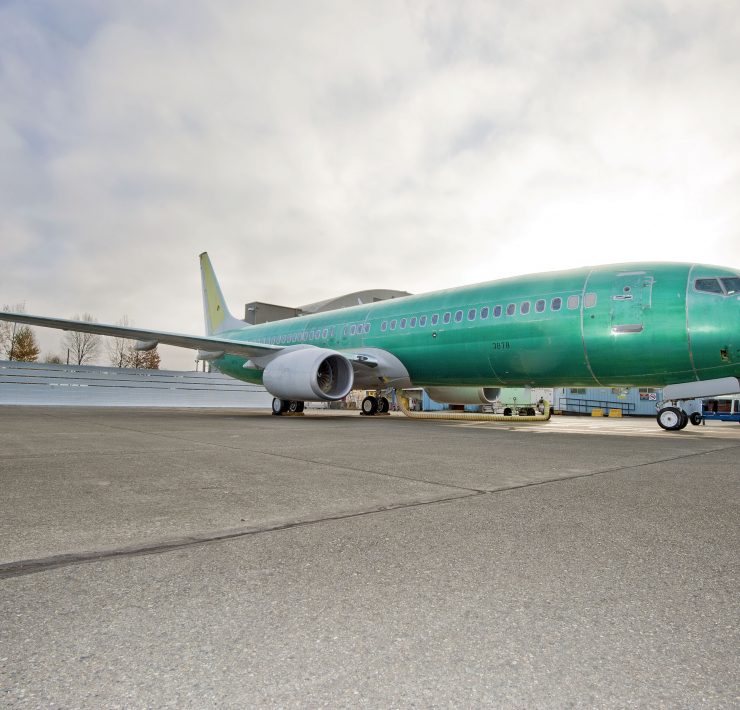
(231, 346)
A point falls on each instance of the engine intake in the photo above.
(309, 374)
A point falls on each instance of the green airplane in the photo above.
(673, 326)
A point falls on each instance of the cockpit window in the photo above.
(732, 285)
(708, 285)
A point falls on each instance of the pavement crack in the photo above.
(20, 568)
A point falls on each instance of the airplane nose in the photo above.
(714, 329)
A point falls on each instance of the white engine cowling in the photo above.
(309, 374)
(463, 395)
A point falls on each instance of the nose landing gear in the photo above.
(672, 418)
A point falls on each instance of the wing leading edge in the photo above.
(230, 346)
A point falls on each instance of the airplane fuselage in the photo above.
(649, 324)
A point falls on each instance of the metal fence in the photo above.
(86, 385)
(586, 406)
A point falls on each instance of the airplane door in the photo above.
(614, 321)
(631, 295)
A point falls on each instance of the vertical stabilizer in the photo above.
(218, 318)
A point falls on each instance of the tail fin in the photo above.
(217, 315)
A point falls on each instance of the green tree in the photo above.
(8, 330)
(24, 346)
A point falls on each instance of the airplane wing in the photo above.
(196, 342)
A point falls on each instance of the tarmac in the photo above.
(201, 559)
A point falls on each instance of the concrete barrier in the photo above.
(32, 383)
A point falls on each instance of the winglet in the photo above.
(217, 315)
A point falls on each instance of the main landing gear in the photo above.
(286, 406)
(375, 405)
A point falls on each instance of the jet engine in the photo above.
(463, 395)
(309, 374)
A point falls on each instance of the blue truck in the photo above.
(721, 409)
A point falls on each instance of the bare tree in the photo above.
(8, 330)
(146, 360)
(120, 349)
(83, 347)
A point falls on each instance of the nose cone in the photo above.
(713, 319)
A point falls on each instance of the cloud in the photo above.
(319, 148)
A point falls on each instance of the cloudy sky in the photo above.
(316, 148)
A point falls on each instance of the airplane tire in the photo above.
(294, 407)
(279, 406)
(369, 406)
(507, 412)
(383, 405)
(670, 418)
(684, 420)
(695, 418)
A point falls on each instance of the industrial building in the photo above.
(258, 312)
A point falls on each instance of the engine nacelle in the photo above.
(463, 395)
(309, 374)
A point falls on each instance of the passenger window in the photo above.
(732, 285)
(589, 300)
(384, 326)
(435, 319)
(573, 302)
(422, 321)
(510, 309)
(458, 316)
(352, 330)
(412, 322)
(539, 306)
(366, 327)
(402, 324)
(497, 311)
(524, 308)
(393, 324)
(484, 312)
(325, 333)
(556, 304)
(447, 318)
(471, 314)
(708, 285)
(332, 331)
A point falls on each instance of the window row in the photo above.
(573, 302)
(472, 314)
(304, 336)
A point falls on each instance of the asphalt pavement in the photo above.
(220, 559)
